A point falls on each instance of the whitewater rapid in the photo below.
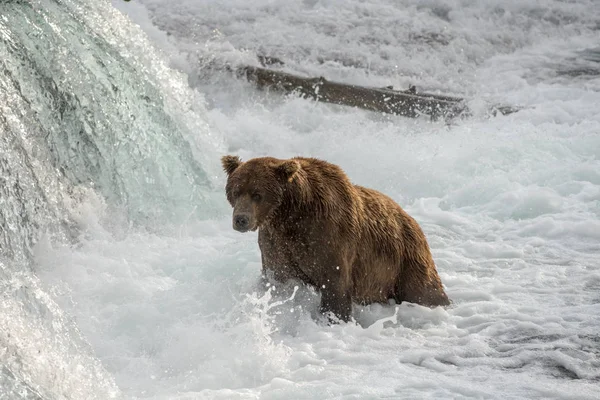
(510, 204)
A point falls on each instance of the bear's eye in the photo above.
(256, 197)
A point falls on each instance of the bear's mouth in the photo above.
(248, 229)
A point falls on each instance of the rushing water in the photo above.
(120, 274)
(83, 113)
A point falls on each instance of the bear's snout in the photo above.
(241, 222)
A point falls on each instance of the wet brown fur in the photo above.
(350, 242)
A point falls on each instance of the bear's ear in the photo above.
(230, 163)
(288, 169)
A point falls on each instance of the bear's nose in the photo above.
(241, 222)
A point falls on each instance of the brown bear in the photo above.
(350, 242)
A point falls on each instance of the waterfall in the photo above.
(87, 107)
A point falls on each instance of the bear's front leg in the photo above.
(336, 300)
(335, 286)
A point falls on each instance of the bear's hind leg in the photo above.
(421, 285)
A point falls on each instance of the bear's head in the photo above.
(256, 188)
